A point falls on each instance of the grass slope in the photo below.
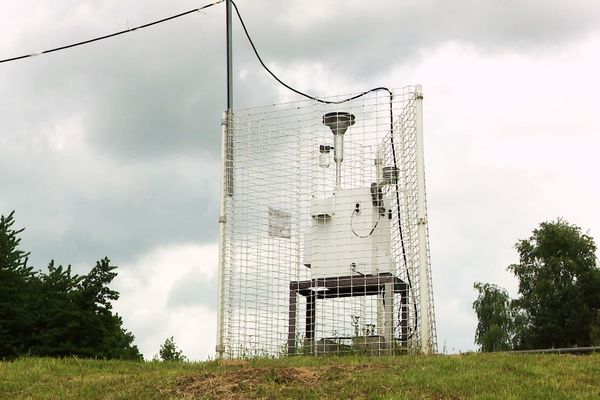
(455, 377)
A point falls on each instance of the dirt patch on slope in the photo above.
(251, 383)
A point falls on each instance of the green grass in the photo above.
(486, 376)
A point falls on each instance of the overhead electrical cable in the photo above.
(237, 11)
(319, 100)
(160, 21)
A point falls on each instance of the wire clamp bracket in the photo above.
(418, 93)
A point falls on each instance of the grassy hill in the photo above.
(439, 377)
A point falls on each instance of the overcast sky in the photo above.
(112, 149)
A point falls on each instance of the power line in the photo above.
(237, 11)
(160, 21)
(184, 14)
(391, 116)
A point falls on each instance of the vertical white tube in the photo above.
(422, 227)
(338, 157)
(220, 348)
(389, 316)
(379, 163)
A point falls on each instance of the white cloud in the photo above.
(112, 149)
(145, 287)
(510, 142)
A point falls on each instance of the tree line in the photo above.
(56, 312)
(558, 303)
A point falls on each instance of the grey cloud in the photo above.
(141, 96)
(150, 104)
(92, 215)
(368, 38)
(195, 288)
(145, 97)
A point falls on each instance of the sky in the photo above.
(112, 149)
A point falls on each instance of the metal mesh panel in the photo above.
(320, 240)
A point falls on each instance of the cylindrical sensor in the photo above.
(338, 122)
(338, 150)
(324, 156)
(389, 176)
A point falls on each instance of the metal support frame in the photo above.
(426, 345)
(249, 322)
(226, 181)
(346, 286)
(229, 56)
(220, 348)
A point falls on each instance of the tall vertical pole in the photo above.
(228, 168)
(229, 57)
(226, 185)
(426, 342)
(220, 348)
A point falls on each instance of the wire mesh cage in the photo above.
(324, 243)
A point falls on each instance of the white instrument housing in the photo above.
(349, 235)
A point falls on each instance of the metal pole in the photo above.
(229, 57)
(220, 348)
(422, 227)
(226, 185)
(228, 143)
(388, 311)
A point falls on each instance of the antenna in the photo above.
(338, 122)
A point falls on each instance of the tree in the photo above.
(559, 287)
(74, 315)
(10, 255)
(57, 313)
(57, 319)
(15, 316)
(495, 330)
(169, 351)
(102, 330)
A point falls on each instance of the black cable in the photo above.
(399, 216)
(237, 11)
(381, 88)
(112, 34)
(372, 229)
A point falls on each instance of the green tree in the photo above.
(57, 318)
(10, 256)
(57, 313)
(559, 287)
(495, 330)
(74, 315)
(15, 315)
(169, 351)
(103, 330)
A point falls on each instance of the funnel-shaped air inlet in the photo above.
(338, 121)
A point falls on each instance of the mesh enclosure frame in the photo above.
(323, 234)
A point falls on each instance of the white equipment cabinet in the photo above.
(349, 234)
